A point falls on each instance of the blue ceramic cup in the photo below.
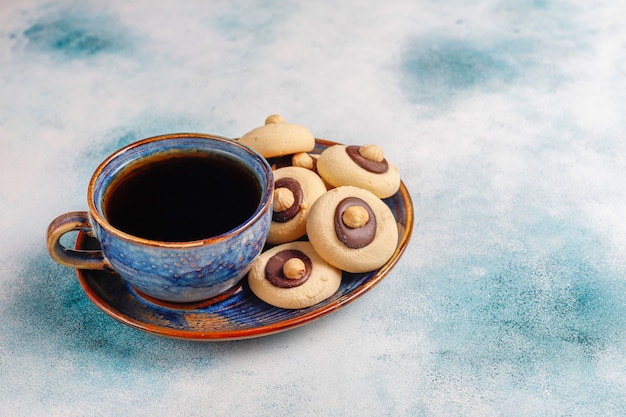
(178, 269)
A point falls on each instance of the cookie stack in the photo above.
(328, 214)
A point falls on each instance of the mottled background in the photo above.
(505, 117)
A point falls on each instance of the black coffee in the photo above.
(182, 198)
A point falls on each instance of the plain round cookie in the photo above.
(323, 281)
(321, 230)
(278, 138)
(289, 217)
(337, 168)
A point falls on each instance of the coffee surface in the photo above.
(178, 198)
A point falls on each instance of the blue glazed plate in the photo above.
(239, 314)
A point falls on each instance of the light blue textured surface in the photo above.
(506, 119)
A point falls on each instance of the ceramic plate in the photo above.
(238, 314)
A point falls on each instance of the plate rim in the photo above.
(261, 330)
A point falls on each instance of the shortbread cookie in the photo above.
(278, 138)
(295, 191)
(352, 229)
(360, 166)
(292, 276)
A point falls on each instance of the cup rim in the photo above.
(97, 217)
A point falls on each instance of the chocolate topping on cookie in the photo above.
(282, 272)
(286, 209)
(355, 223)
(368, 157)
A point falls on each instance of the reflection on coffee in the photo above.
(182, 197)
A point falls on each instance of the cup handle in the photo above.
(79, 259)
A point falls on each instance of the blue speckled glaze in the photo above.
(186, 271)
(240, 314)
(505, 118)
